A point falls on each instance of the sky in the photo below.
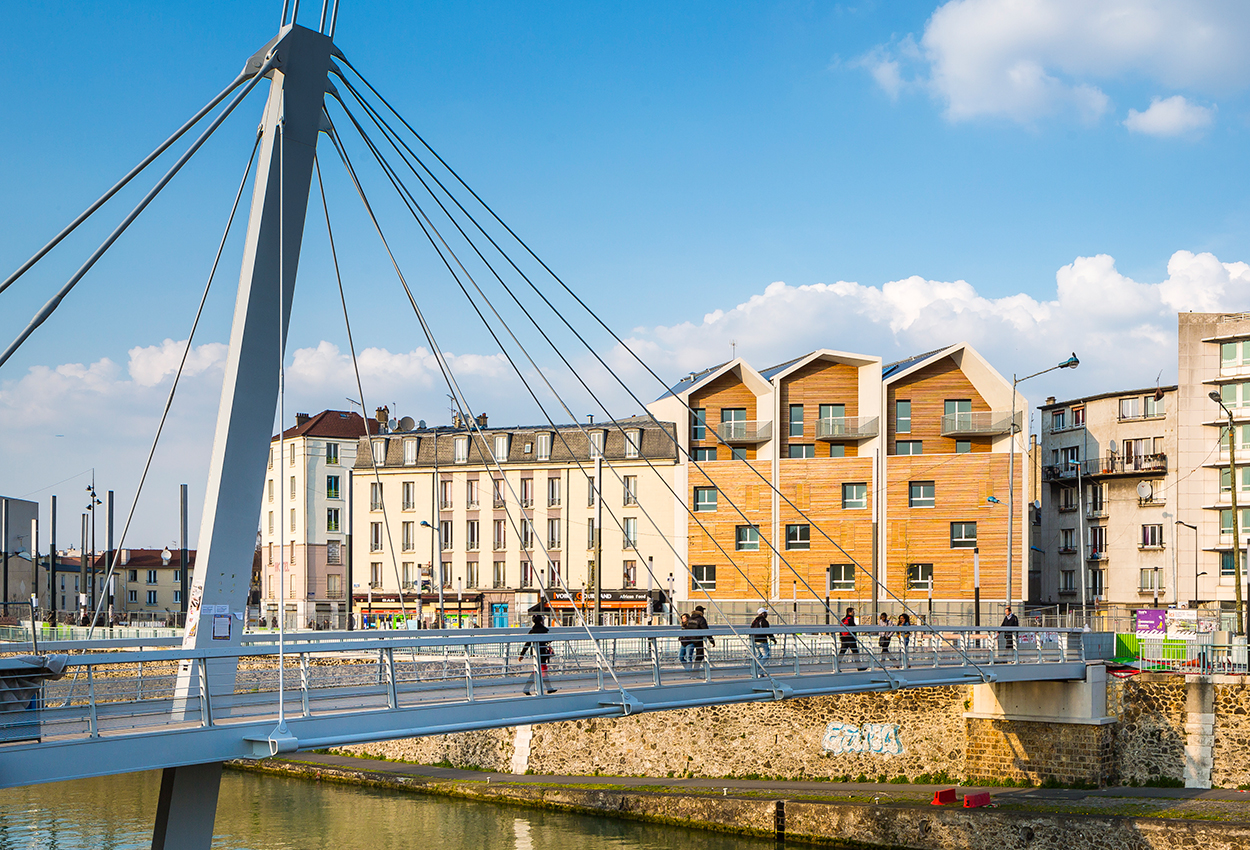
(1034, 177)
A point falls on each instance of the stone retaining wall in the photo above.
(1036, 753)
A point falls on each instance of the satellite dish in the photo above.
(406, 424)
(421, 424)
(1144, 490)
(1111, 445)
(391, 424)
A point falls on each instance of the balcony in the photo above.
(1096, 555)
(981, 423)
(471, 506)
(445, 504)
(1067, 550)
(498, 502)
(846, 428)
(744, 433)
(1152, 464)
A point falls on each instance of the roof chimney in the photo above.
(125, 557)
(481, 420)
(1050, 399)
(382, 415)
(590, 419)
(456, 421)
(301, 419)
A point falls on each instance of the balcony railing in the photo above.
(745, 432)
(979, 423)
(1151, 464)
(846, 428)
(445, 504)
(498, 501)
(1096, 555)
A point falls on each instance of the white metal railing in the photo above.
(846, 427)
(978, 422)
(750, 431)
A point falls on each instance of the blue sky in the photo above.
(1034, 177)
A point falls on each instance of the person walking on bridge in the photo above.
(687, 647)
(850, 643)
(762, 649)
(542, 656)
(1010, 622)
(697, 622)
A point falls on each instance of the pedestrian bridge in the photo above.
(119, 707)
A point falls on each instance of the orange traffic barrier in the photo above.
(946, 795)
(972, 801)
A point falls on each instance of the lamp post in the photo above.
(1071, 363)
(1196, 573)
(435, 561)
(1214, 395)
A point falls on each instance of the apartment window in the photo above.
(962, 447)
(501, 447)
(1058, 420)
(837, 450)
(134, 576)
(334, 552)
(703, 576)
(1148, 580)
(497, 492)
(737, 454)
(733, 423)
(704, 499)
(408, 536)
(703, 454)
(553, 492)
(553, 574)
(920, 494)
(527, 574)
(799, 536)
(854, 496)
(629, 574)
(1226, 521)
(444, 534)
(902, 416)
(527, 534)
(1097, 541)
(544, 446)
(131, 596)
(500, 535)
(292, 486)
(470, 574)
(553, 534)
(332, 453)
(271, 489)
(375, 537)
(1067, 540)
(591, 491)
(796, 420)
(747, 538)
(590, 534)
(461, 454)
(410, 452)
(271, 522)
(1078, 416)
(633, 441)
(1226, 480)
(444, 574)
(1235, 353)
(1130, 408)
(960, 409)
(379, 452)
(1067, 499)
(833, 418)
(596, 444)
(802, 450)
(375, 574)
(963, 535)
(1067, 581)
(408, 492)
(375, 496)
(1096, 583)
(470, 494)
(406, 573)
(630, 527)
(332, 487)
(270, 466)
(698, 427)
(527, 492)
(151, 597)
(292, 519)
(908, 447)
(631, 489)
(332, 520)
(919, 576)
(444, 494)
(151, 576)
(291, 456)
(471, 535)
(1153, 407)
(841, 577)
(499, 574)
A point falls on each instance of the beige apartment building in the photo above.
(506, 519)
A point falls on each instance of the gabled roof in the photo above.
(891, 369)
(690, 380)
(773, 370)
(344, 424)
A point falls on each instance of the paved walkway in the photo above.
(780, 788)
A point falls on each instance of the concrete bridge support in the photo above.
(187, 807)
(1199, 731)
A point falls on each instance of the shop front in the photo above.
(460, 611)
(623, 607)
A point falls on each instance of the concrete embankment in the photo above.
(839, 814)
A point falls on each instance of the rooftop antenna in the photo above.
(733, 349)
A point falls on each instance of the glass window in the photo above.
(963, 447)
(733, 423)
(375, 537)
(1227, 566)
(471, 535)
(553, 534)
(919, 576)
(544, 446)
(796, 420)
(963, 535)
(500, 538)
(737, 454)
(410, 452)
(501, 447)
(1151, 536)
(703, 577)
(698, 427)
(332, 452)
(802, 450)
(596, 443)
(704, 454)
(629, 574)
(1067, 540)
(799, 536)
(1058, 420)
(631, 489)
(527, 574)
(920, 494)
(470, 493)
(831, 413)
(379, 452)
(1226, 521)
(908, 447)
(1078, 416)
(631, 532)
(375, 496)
(409, 495)
(461, 449)
(527, 492)
(553, 492)
(1155, 408)
(747, 538)
(841, 577)
(1067, 581)
(444, 534)
(837, 450)
(1130, 408)
(332, 519)
(854, 495)
(633, 442)
(704, 499)
(499, 574)
(332, 487)
(902, 416)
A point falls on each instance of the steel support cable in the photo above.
(423, 220)
(614, 336)
(280, 728)
(117, 187)
(389, 132)
(51, 306)
(351, 344)
(169, 399)
(403, 190)
(451, 382)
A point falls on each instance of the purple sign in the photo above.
(1151, 622)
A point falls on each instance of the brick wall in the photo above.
(1036, 753)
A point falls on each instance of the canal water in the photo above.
(267, 812)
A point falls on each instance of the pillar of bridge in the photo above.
(187, 807)
(1082, 701)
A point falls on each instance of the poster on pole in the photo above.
(1152, 622)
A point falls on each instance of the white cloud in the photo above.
(1027, 60)
(1173, 116)
(150, 364)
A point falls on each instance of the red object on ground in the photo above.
(972, 801)
(946, 795)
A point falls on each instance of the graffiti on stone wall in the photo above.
(873, 738)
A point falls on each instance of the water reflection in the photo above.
(267, 813)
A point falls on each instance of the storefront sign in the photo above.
(1152, 622)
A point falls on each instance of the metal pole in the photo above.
(1080, 532)
(52, 563)
(650, 584)
(109, 546)
(184, 554)
(34, 570)
(599, 534)
(436, 560)
(4, 544)
(976, 585)
(671, 602)
(1232, 490)
(82, 570)
(1011, 488)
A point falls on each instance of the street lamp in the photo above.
(1196, 573)
(1071, 363)
(1214, 395)
(436, 577)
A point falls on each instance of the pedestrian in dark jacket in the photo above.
(542, 653)
(1010, 622)
(696, 622)
(849, 642)
(762, 649)
(686, 655)
(883, 640)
